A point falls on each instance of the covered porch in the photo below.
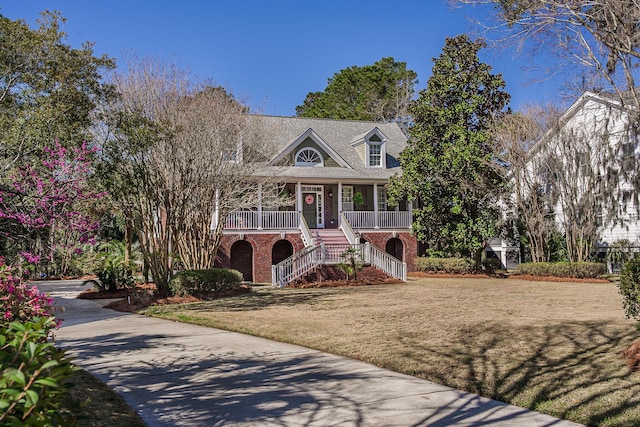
(326, 205)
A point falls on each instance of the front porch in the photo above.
(364, 207)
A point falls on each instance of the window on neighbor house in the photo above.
(628, 156)
(308, 157)
(375, 155)
(347, 198)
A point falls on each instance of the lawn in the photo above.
(552, 347)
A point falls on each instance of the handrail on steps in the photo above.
(311, 257)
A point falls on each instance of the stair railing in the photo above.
(348, 231)
(385, 262)
(307, 239)
(296, 266)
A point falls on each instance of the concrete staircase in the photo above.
(329, 236)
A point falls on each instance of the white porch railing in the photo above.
(265, 220)
(380, 219)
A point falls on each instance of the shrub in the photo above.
(113, 269)
(32, 374)
(580, 270)
(21, 302)
(491, 264)
(445, 265)
(629, 287)
(205, 283)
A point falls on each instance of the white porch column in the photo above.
(339, 203)
(375, 205)
(299, 197)
(260, 206)
(215, 217)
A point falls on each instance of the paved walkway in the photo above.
(175, 374)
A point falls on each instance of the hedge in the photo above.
(445, 265)
(629, 287)
(580, 270)
(205, 283)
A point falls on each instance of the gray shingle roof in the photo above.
(337, 134)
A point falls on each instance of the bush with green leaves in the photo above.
(205, 283)
(113, 268)
(445, 265)
(629, 287)
(491, 264)
(32, 374)
(579, 270)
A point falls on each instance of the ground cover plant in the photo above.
(552, 347)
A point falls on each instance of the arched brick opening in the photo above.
(395, 248)
(242, 259)
(282, 249)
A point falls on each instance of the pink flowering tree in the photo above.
(44, 209)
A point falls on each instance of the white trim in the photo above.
(308, 164)
(310, 133)
(318, 190)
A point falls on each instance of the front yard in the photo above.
(552, 347)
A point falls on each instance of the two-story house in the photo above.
(335, 173)
(587, 167)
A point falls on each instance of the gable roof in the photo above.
(336, 136)
(604, 99)
(309, 133)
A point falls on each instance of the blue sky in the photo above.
(272, 53)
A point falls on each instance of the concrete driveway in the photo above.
(175, 374)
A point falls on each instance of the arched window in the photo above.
(309, 157)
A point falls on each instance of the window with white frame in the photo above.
(375, 155)
(382, 199)
(308, 157)
(347, 198)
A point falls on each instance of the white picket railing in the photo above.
(265, 220)
(380, 219)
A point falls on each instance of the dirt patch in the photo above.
(557, 279)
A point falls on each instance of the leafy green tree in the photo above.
(379, 92)
(48, 91)
(450, 163)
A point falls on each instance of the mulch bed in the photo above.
(424, 274)
(303, 284)
(556, 279)
(143, 297)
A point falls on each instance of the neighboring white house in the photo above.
(590, 157)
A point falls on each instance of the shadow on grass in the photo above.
(264, 298)
(573, 371)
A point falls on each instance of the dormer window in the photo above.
(308, 157)
(375, 155)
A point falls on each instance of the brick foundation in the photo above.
(262, 246)
(409, 243)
